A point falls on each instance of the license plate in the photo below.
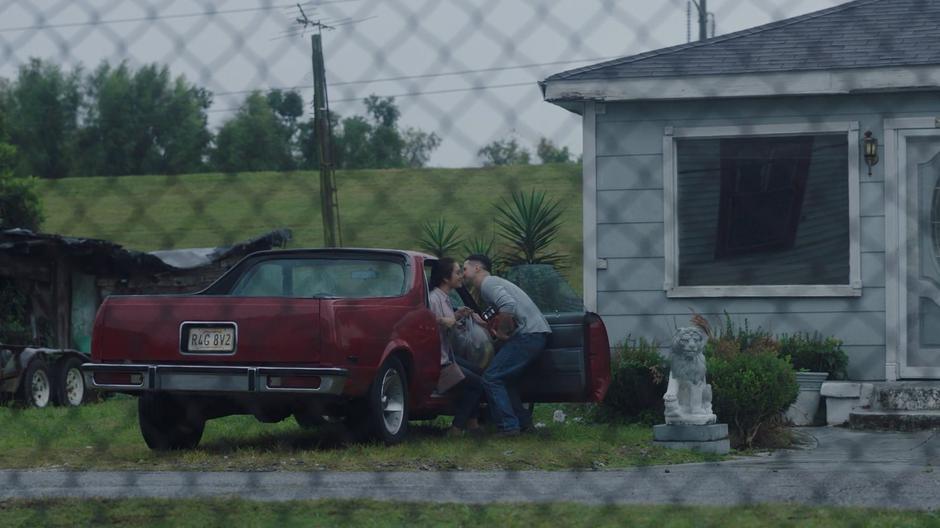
(211, 340)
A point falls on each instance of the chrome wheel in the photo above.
(40, 388)
(74, 387)
(393, 401)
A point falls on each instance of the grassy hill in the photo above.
(378, 208)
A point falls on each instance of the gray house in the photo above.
(731, 175)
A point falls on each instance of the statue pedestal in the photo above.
(711, 438)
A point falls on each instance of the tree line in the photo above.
(120, 120)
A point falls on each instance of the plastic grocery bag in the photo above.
(472, 342)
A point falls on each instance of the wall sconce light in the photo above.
(871, 151)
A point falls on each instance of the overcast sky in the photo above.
(466, 69)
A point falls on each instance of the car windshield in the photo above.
(322, 277)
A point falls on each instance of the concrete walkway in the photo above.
(839, 467)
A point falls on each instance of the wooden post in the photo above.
(328, 199)
(62, 301)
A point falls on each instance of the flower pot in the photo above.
(803, 410)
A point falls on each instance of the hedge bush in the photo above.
(749, 391)
(815, 353)
(752, 383)
(639, 375)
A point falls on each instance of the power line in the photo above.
(412, 94)
(450, 90)
(166, 17)
(430, 75)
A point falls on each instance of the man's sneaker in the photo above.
(508, 432)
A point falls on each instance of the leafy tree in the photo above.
(42, 116)
(254, 139)
(504, 152)
(549, 153)
(19, 203)
(355, 148)
(385, 140)
(373, 141)
(417, 146)
(289, 107)
(19, 207)
(308, 149)
(142, 122)
(383, 110)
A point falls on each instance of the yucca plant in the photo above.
(482, 245)
(529, 223)
(439, 238)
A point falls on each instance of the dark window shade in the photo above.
(763, 210)
(762, 186)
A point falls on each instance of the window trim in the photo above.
(671, 225)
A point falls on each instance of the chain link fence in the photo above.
(462, 82)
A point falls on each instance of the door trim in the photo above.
(896, 132)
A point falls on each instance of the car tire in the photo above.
(387, 403)
(70, 390)
(36, 385)
(168, 424)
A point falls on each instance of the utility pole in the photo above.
(329, 201)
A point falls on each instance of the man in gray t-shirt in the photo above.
(523, 347)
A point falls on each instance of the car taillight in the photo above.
(294, 382)
(119, 378)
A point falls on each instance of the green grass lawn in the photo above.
(228, 513)
(106, 436)
(378, 208)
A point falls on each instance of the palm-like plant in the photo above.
(439, 238)
(529, 224)
(482, 245)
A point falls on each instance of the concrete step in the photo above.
(906, 396)
(894, 420)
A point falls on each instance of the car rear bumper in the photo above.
(206, 378)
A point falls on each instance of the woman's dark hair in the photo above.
(441, 271)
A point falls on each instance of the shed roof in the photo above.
(108, 257)
(858, 34)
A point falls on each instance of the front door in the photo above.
(920, 249)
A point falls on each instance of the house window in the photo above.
(762, 214)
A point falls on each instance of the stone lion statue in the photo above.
(688, 399)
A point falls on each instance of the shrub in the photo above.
(752, 382)
(749, 391)
(731, 340)
(529, 224)
(815, 353)
(439, 238)
(639, 375)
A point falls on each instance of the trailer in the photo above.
(39, 377)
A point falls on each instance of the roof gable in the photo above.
(855, 35)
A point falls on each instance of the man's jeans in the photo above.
(501, 376)
(471, 392)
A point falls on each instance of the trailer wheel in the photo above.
(70, 383)
(37, 384)
(167, 424)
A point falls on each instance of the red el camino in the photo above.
(314, 333)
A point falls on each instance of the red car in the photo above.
(340, 333)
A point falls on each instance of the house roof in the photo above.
(858, 34)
